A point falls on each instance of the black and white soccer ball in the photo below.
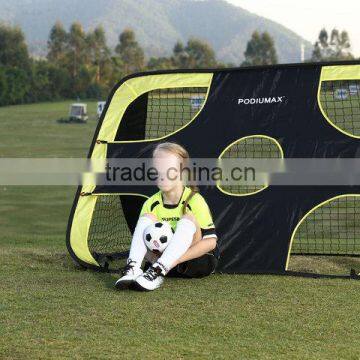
(157, 236)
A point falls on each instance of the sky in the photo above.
(307, 17)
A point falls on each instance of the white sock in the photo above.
(151, 257)
(138, 248)
(180, 243)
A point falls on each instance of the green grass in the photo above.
(51, 309)
(32, 131)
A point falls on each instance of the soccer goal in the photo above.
(273, 112)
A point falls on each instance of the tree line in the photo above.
(80, 64)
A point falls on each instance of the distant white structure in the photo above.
(78, 111)
(100, 108)
(341, 94)
(196, 101)
(354, 89)
(302, 52)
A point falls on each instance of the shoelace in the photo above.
(128, 267)
(152, 273)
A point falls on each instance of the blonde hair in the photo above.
(183, 155)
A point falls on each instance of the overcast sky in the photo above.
(307, 17)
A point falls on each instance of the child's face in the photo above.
(168, 168)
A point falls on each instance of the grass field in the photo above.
(50, 309)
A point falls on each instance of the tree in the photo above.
(180, 56)
(15, 66)
(130, 52)
(99, 54)
(59, 81)
(77, 54)
(200, 54)
(3, 87)
(57, 44)
(13, 49)
(196, 54)
(260, 50)
(18, 85)
(340, 43)
(84, 81)
(39, 82)
(320, 47)
(338, 47)
(117, 70)
(161, 63)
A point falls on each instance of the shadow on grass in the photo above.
(61, 260)
(65, 262)
(107, 279)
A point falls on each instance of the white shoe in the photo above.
(130, 272)
(151, 279)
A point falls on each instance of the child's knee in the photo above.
(190, 217)
(150, 216)
(212, 243)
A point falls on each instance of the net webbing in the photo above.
(340, 101)
(109, 232)
(170, 109)
(332, 229)
(249, 148)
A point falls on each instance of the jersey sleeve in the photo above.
(146, 207)
(202, 213)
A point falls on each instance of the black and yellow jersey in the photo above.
(173, 212)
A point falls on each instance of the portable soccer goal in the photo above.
(285, 111)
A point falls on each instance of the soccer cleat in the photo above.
(130, 273)
(151, 279)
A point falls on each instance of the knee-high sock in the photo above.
(151, 257)
(138, 248)
(180, 243)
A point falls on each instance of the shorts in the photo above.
(197, 268)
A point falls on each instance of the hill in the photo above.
(158, 24)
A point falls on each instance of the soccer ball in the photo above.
(157, 236)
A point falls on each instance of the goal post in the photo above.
(282, 111)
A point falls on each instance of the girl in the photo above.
(193, 249)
